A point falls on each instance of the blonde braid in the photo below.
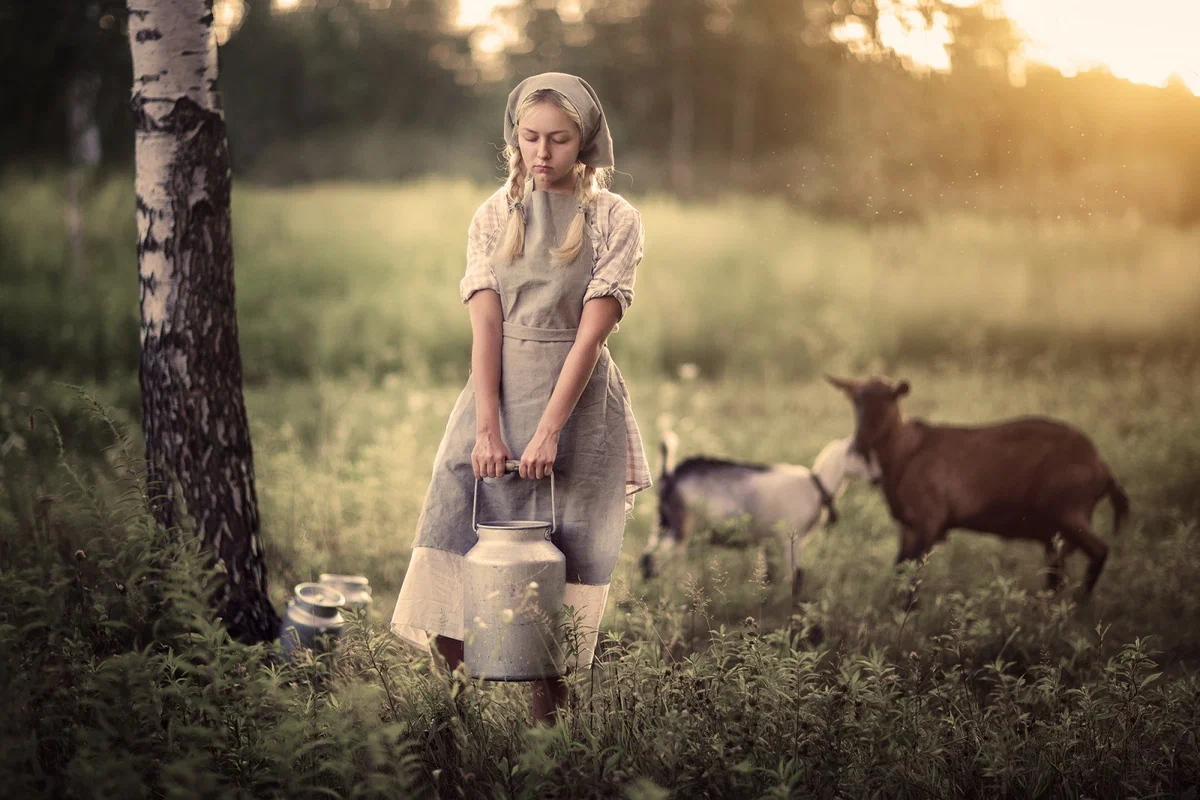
(513, 243)
(588, 182)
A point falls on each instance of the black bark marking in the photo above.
(192, 469)
(148, 35)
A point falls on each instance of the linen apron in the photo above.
(542, 304)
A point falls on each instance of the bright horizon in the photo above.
(1069, 35)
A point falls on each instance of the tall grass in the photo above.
(337, 278)
(121, 684)
(708, 681)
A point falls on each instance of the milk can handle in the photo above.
(515, 466)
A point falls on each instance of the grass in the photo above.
(708, 683)
(342, 278)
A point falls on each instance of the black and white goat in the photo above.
(784, 501)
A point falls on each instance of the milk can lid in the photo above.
(345, 580)
(320, 600)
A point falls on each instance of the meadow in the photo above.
(709, 683)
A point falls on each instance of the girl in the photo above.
(551, 258)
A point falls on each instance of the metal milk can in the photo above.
(513, 598)
(355, 588)
(313, 610)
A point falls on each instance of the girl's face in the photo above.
(549, 147)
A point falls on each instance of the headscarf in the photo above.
(595, 147)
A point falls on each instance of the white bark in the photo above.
(174, 56)
(193, 413)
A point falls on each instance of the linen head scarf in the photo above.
(595, 146)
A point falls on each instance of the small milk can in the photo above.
(355, 588)
(313, 610)
(513, 596)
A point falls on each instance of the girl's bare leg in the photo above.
(450, 652)
(548, 696)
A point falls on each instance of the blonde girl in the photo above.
(551, 260)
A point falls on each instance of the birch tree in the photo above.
(193, 414)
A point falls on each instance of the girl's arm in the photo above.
(489, 454)
(600, 316)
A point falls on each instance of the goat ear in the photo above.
(900, 389)
(846, 386)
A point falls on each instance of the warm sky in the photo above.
(1067, 34)
(1077, 34)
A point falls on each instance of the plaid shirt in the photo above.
(614, 228)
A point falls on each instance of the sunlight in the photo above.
(227, 18)
(903, 30)
(1145, 44)
(1069, 35)
(476, 12)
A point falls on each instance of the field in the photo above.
(355, 344)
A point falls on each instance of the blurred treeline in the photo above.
(704, 97)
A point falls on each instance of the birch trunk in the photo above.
(193, 414)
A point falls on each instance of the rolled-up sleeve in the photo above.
(479, 273)
(616, 268)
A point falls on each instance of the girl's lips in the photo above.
(541, 169)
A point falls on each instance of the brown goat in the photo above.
(1023, 478)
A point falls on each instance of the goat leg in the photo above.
(797, 584)
(912, 547)
(1079, 534)
(1056, 554)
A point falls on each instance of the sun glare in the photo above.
(475, 12)
(1145, 44)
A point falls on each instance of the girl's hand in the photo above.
(489, 454)
(538, 459)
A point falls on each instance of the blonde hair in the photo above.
(589, 182)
